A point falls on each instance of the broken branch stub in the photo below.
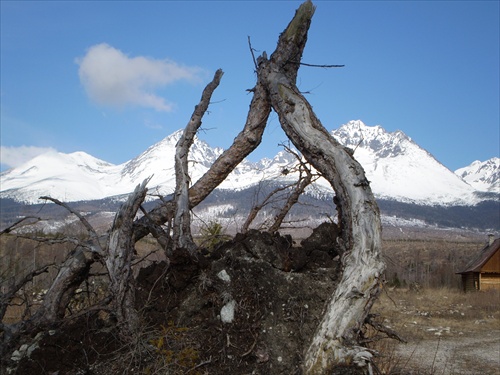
(120, 250)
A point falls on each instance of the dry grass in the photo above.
(448, 332)
(461, 312)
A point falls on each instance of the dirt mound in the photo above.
(250, 306)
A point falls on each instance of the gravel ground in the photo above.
(459, 354)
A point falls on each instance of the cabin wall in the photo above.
(470, 281)
(490, 281)
(492, 265)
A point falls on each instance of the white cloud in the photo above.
(15, 156)
(112, 78)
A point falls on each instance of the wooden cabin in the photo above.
(483, 271)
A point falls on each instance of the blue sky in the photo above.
(113, 78)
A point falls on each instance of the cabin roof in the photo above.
(482, 257)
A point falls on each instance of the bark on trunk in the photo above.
(120, 250)
(335, 342)
(72, 273)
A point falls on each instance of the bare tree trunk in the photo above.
(244, 143)
(336, 340)
(182, 219)
(7, 296)
(71, 274)
(120, 250)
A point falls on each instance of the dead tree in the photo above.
(120, 250)
(71, 274)
(244, 143)
(336, 340)
(116, 254)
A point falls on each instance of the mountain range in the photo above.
(398, 170)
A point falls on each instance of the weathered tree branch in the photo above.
(258, 207)
(14, 226)
(93, 234)
(182, 219)
(384, 329)
(321, 65)
(71, 274)
(293, 198)
(7, 296)
(163, 237)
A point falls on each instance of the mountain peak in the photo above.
(482, 175)
(355, 134)
(400, 169)
(396, 166)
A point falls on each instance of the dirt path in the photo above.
(453, 354)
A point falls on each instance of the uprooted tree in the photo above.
(336, 341)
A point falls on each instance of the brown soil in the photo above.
(251, 306)
(276, 291)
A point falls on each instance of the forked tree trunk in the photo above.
(336, 340)
(244, 143)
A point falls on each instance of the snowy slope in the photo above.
(79, 176)
(483, 176)
(158, 161)
(68, 177)
(397, 168)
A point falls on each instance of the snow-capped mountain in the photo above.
(397, 168)
(400, 169)
(483, 176)
(68, 177)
